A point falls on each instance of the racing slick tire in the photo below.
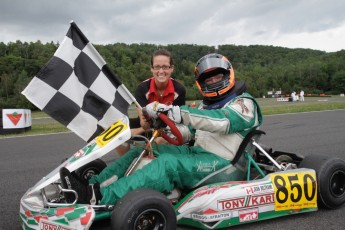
(330, 174)
(93, 168)
(143, 209)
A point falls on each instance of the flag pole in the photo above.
(132, 97)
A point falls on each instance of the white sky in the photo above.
(314, 24)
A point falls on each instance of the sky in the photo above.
(311, 24)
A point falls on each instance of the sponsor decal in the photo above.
(248, 215)
(79, 153)
(230, 204)
(89, 148)
(82, 152)
(69, 186)
(49, 225)
(207, 190)
(14, 117)
(248, 201)
(243, 106)
(64, 228)
(264, 188)
(211, 216)
(261, 200)
(206, 166)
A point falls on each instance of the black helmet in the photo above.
(211, 65)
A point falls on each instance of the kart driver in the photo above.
(218, 124)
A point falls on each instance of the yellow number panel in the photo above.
(109, 134)
(295, 190)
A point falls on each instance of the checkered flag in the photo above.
(77, 88)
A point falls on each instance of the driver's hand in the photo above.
(144, 124)
(154, 108)
(161, 141)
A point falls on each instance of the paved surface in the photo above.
(25, 160)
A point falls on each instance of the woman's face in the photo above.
(161, 69)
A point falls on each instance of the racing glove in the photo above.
(154, 108)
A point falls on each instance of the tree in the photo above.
(262, 67)
(338, 82)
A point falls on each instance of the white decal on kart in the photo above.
(248, 215)
(259, 189)
(211, 217)
(249, 201)
(206, 166)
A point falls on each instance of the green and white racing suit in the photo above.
(218, 134)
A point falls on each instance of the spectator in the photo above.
(293, 96)
(301, 95)
(160, 87)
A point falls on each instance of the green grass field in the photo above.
(269, 106)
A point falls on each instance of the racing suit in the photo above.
(218, 134)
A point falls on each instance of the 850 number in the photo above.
(296, 190)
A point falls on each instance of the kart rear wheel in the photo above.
(90, 169)
(143, 209)
(330, 174)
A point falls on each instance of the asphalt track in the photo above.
(25, 160)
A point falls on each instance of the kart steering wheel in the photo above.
(174, 130)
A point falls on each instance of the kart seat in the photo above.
(237, 169)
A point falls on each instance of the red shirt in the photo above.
(167, 96)
(146, 92)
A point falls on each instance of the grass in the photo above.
(51, 127)
(40, 128)
(269, 106)
(39, 115)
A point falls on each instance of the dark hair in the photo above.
(163, 52)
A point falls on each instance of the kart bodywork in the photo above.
(42, 205)
(227, 204)
(277, 184)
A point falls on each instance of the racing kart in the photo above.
(276, 184)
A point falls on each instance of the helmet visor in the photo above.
(210, 63)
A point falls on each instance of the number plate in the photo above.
(294, 190)
(109, 134)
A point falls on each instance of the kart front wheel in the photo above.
(144, 209)
(330, 174)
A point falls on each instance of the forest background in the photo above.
(264, 68)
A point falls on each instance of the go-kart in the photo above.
(276, 184)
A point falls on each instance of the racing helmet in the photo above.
(211, 65)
